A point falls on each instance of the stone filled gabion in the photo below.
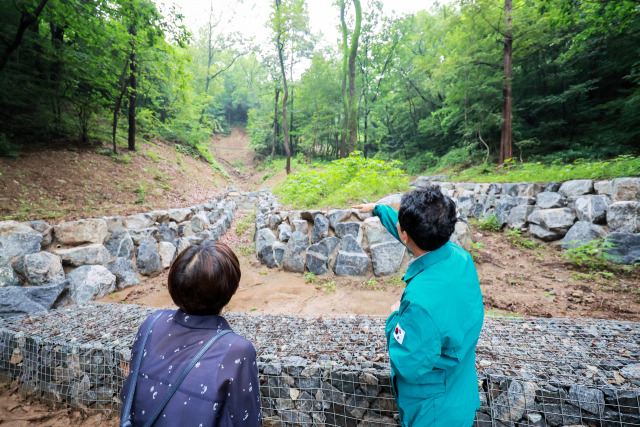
(334, 371)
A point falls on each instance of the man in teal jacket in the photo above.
(433, 330)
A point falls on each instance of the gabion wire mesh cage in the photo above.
(334, 371)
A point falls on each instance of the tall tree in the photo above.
(506, 150)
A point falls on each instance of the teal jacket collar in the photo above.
(427, 260)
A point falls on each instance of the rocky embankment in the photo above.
(334, 371)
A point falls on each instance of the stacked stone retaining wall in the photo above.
(334, 371)
(44, 266)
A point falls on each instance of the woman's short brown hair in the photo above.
(204, 277)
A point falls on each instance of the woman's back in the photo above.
(221, 389)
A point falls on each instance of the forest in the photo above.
(467, 82)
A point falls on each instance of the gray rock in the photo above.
(292, 259)
(510, 189)
(553, 186)
(184, 229)
(361, 216)
(89, 282)
(95, 254)
(213, 216)
(530, 189)
(274, 221)
(352, 259)
(603, 188)
(320, 228)
(589, 399)
(562, 415)
(375, 231)
(624, 217)
(272, 254)
(166, 233)
(550, 200)
(42, 268)
(338, 215)
(517, 217)
(627, 401)
(114, 223)
(592, 208)
(387, 257)
(8, 277)
(179, 215)
(17, 239)
(553, 222)
(199, 222)
(462, 236)
(349, 228)
(576, 187)
(284, 232)
(631, 371)
(317, 259)
(148, 258)
(82, 231)
(513, 403)
(138, 235)
(200, 237)
(301, 225)
(494, 189)
(582, 232)
(392, 200)
(626, 248)
(125, 272)
(182, 244)
(625, 189)
(264, 237)
(138, 221)
(310, 214)
(167, 253)
(299, 242)
(159, 216)
(45, 230)
(120, 244)
(17, 301)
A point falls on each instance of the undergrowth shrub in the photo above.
(345, 180)
(592, 255)
(490, 223)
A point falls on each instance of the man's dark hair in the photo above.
(428, 217)
(204, 277)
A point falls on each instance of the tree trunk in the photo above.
(26, 20)
(345, 70)
(505, 138)
(132, 93)
(353, 105)
(280, 47)
(275, 124)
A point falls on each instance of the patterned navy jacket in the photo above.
(222, 389)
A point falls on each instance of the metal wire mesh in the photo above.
(334, 371)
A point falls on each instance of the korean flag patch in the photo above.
(398, 333)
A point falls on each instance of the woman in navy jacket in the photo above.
(222, 388)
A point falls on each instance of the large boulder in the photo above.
(518, 215)
(550, 200)
(264, 237)
(462, 236)
(138, 235)
(349, 228)
(320, 228)
(179, 215)
(577, 187)
(310, 214)
(292, 258)
(338, 215)
(17, 301)
(284, 232)
(272, 254)
(17, 239)
(148, 258)
(114, 223)
(602, 187)
(589, 399)
(624, 217)
(300, 225)
(551, 224)
(45, 230)
(167, 252)
(166, 232)
(625, 190)
(81, 231)
(125, 272)
(199, 222)
(392, 200)
(530, 189)
(625, 247)
(512, 404)
(39, 269)
(352, 260)
(582, 232)
(274, 221)
(319, 255)
(89, 282)
(387, 257)
(8, 277)
(95, 254)
(138, 221)
(592, 208)
(120, 244)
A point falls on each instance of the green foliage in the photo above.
(266, 176)
(245, 223)
(489, 223)
(420, 163)
(475, 249)
(141, 191)
(7, 149)
(515, 237)
(328, 287)
(591, 255)
(309, 277)
(344, 180)
(396, 281)
(246, 250)
(497, 314)
(153, 156)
